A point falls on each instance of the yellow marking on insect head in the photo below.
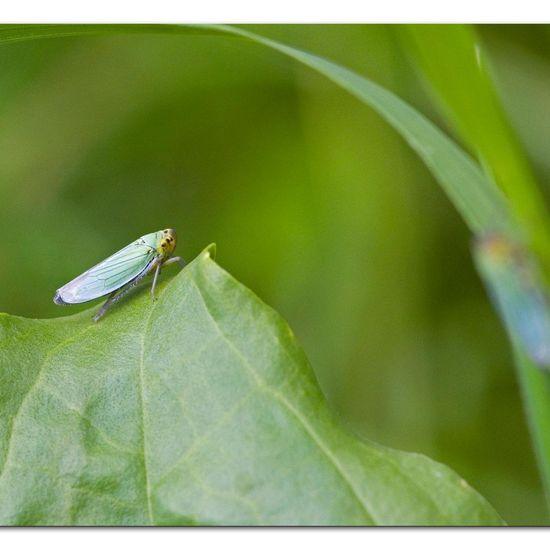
(167, 243)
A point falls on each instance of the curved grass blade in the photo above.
(456, 67)
(517, 288)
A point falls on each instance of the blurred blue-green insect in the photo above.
(517, 289)
(122, 271)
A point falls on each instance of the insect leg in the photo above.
(111, 300)
(180, 261)
(119, 293)
(157, 271)
(158, 268)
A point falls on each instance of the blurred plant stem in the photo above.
(454, 64)
(535, 386)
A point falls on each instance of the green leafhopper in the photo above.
(517, 290)
(122, 271)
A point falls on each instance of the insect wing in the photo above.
(110, 274)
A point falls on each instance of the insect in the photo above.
(122, 271)
(517, 289)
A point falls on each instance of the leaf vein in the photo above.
(142, 410)
(31, 389)
(307, 428)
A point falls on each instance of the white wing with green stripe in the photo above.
(111, 274)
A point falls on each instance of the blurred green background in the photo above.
(315, 203)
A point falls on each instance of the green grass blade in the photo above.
(535, 388)
(517, 289)
(474, 195)
(453, 61)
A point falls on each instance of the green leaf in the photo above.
(198, 409)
